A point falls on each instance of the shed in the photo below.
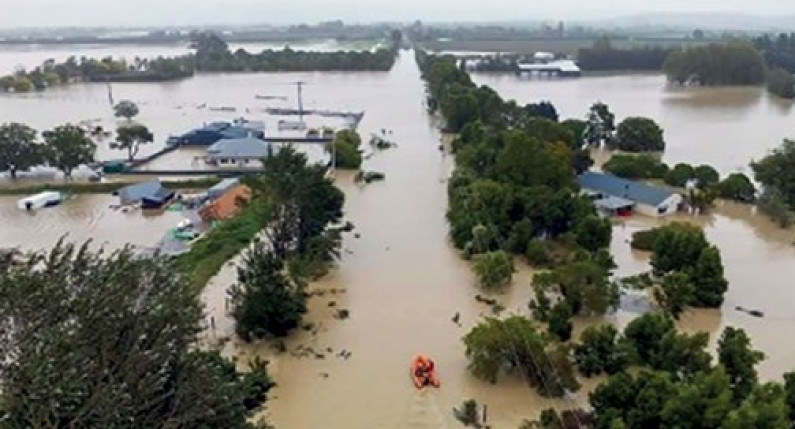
(648, 200)
(151, 195)
(227, 205)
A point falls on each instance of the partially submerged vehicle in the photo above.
(40, 200)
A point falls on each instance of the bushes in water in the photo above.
(735, 63)
(345, 149)
(494, 269)
(636, 167)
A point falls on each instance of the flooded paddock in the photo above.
(401, 280)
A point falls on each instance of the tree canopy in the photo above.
(131, 137)
(636, 134)
(18, 148)
(94, 339)
(777, 171)
(126, 109)
(515, 343)
(68, 147)
(734, 63)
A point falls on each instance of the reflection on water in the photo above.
(724, 127)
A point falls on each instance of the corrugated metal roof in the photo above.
(623, 188)
(248, 147)
(152, 190)
(613, 203)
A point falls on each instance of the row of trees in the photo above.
(735, 186)
(777, 175)
(66, 147)
(93, 339)
(603, 57)
(735, 63)
(107, 69)
(213, 55)
(269, 299)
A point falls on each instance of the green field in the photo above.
(530, 46)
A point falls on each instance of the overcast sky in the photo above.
(40, 13)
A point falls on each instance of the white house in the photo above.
(621, 196)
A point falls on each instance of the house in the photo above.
(226, 205)
(238, 151)
(150, 195)
(221, 187)
(615, 195)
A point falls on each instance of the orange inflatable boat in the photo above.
(423, 372)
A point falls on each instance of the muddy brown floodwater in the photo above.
(401, 280)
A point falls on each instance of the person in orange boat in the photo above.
(424, 372)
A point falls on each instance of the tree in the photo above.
(636, 167)
(130, 138)
(560, 321)
(601, 350)
(637, 134)
(765, 408)
(777, 171)
(706, 175)
(68, 147)
(18, 149)
(674, 293)
(577, 128)
(707, 275)
(789, 387)
(264, 302)
(584, 285)
(680, 175)
(515, 344)
(774, 204)
(703, 403)
(345, 149)
(103, 340)
(544, 109)
(494, 269)
(126, 109)
(734, 63)
(781, 83)
(737, 187)
(739, 360)
(656, 343)
(600, 125)
(593, 233)
(304, 201)
(624, 401)
(676, 247)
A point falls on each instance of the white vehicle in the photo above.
(44, 199)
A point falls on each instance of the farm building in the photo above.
(617, 196)
(227, 204)
(150, 195)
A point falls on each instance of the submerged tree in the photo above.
(264, 301)
(739, 360)
(68, 147)
(131, 137)
(515, 344)
(126, 109)
(18, 148)
(102, 340)
(494, 269)
(637, 134)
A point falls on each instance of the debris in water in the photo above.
(280, 347)
(357, 235)
(755, 313)
(457, 319)
(332, 303)
(324, 374)
(308, 326)
(484, 300)
(369, 176)
(342, 314)
(329, 350)
(320, 356)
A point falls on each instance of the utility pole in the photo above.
(300, 87)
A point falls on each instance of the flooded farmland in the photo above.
(402, 281)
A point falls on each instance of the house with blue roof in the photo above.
(215, 131)
(615, 195)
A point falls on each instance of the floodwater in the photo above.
(724, 127)
(14, 57)
(78, 219)
(401, 280)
